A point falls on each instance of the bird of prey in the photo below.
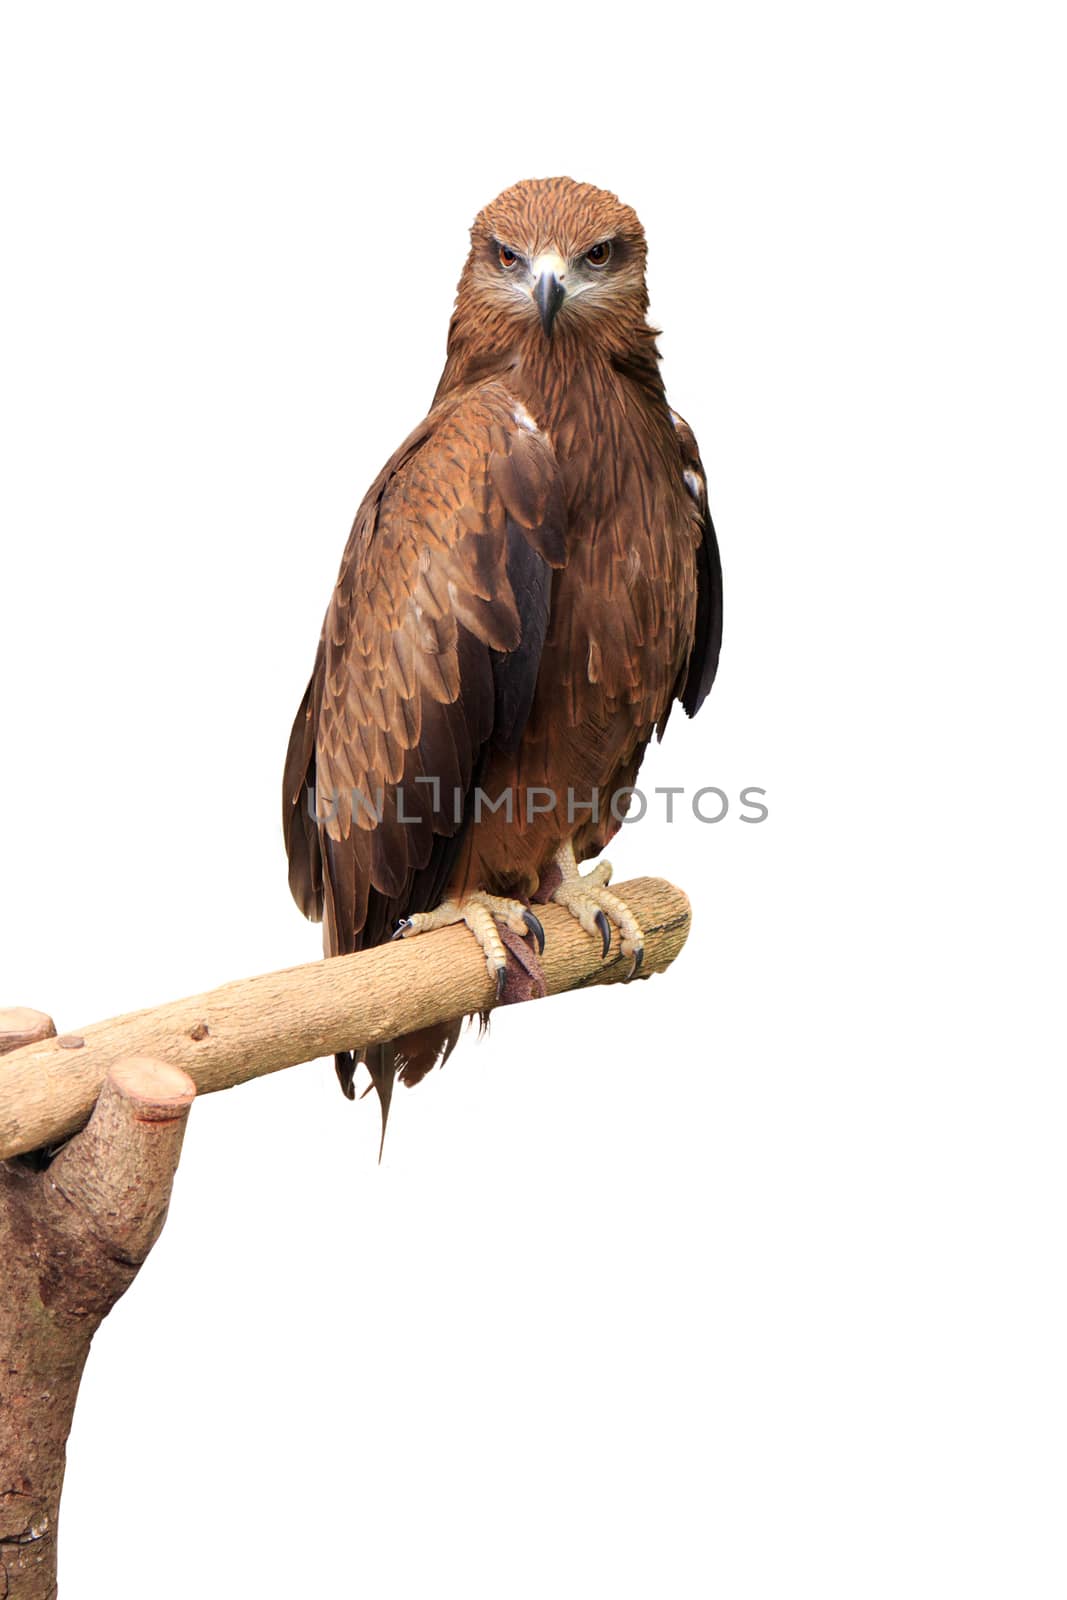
(530, 583)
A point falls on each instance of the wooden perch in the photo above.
(72, 1239)
(259, 1025)
(73, 1235)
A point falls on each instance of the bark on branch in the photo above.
(72, 1239)
(259, 1025)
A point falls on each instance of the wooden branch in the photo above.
(259, 1025)
(72, 1239)
(74, 1233)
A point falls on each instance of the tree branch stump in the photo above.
(72, 1239)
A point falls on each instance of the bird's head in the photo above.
(551, 257)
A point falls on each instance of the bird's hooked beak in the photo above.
(548, 291)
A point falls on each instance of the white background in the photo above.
(747, 1282)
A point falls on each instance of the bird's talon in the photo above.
(594, 906)
(639, 960)
(501, 979)
(402, 927)
(536, 931)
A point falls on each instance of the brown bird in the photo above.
(530, 583)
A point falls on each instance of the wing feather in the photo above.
(428, 661)
(707, 639)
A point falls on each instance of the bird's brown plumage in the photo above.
(530, 582)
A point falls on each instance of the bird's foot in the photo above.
(481, 912)
(589, 900)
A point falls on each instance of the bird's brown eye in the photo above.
(600, 254)
(508, 258)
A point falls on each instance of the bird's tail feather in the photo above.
(408, 1058)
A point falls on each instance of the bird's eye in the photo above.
(508, 258)
(600, 254)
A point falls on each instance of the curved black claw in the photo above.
(605, 931)
(639, 961)
(402, 927)
(501, 979)
(535, 930)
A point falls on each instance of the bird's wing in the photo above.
(707, 638)
(427, 663)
